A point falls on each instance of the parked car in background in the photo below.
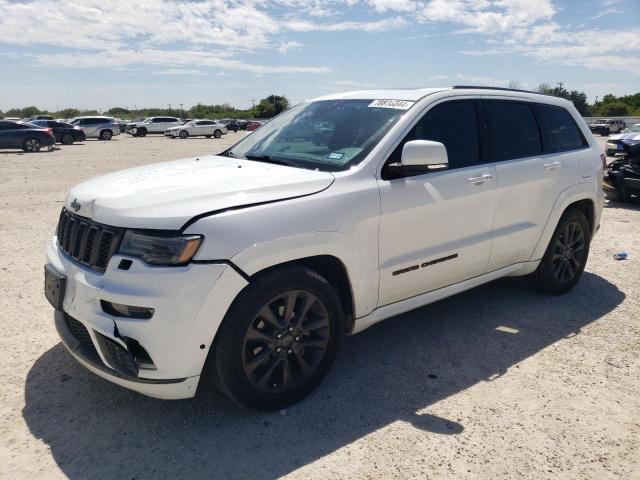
(103, 128)
(152, 125)
(606, 126)
(254, 125)
(231, 124)
(28, 137)
(13, 119)
(615, 143)
(197, 128)
(39, 117)
(246, 268)
(63, 132)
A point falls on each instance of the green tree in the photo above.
(270, 106)
(118, 111)
(30, 111)
(68, 113)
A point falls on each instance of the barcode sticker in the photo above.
(395, 104)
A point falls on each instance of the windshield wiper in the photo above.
(270, 159)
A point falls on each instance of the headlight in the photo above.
(160, 249)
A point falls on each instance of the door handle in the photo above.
(552, 166)
(479, 180)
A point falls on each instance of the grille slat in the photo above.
(88, 242)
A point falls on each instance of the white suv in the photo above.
(152, 125)
(249, 266)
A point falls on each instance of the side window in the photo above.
(5, 126)
(559, 130)
(513, 130)
(455, 125)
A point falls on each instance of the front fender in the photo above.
(363, 275)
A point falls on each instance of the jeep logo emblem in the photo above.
(75, 205)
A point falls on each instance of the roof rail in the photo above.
(478, 87)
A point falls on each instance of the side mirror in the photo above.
(424, 153)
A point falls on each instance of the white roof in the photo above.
(411, 94)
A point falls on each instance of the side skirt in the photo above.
(393, 309)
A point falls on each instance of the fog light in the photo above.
(126, 311)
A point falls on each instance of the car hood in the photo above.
(167, 195)
(625, 136)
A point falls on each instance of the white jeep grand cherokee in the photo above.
(249, 266)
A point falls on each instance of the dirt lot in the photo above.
(440, 392)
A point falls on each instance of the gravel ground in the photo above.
(445, 391)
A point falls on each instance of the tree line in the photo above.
(608, 106)
(267, 107)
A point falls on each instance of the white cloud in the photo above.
(177, 71)
(352, 84)
(483, 16)
(286, 47)
(375, 26)
(394, 5)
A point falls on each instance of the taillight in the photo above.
(604, 161)
(50, 132)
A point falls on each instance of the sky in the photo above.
(97, 54)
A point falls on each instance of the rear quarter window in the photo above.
(559, 130)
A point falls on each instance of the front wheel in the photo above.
(142, 132)
(278, 339)
(183, 134)
(566, 256)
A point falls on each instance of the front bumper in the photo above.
(189, 304)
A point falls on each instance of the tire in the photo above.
(606, 132)
(217, 134)
(299, 353)
(106, 135)
(566, 256)
(142, 132)
(31, 144)
(183, 134)
(67, 139)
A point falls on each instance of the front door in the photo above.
(435, 228)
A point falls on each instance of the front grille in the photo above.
(86, 241)
(80, 332)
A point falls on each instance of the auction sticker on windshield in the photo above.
(397, 104)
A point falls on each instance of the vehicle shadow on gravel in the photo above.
(392, 372)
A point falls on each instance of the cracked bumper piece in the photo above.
(162, 355)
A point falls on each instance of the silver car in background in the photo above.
(100, 127)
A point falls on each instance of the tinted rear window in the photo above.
(559, 130)
(513, 130)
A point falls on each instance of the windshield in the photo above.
(635, 128)
(328, 135)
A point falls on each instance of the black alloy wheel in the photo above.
(67, 139)
(568, 252)
(286, 341)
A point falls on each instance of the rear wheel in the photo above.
(566, 255)
(278, 340)
(31, 144)
(106, 135)
(67, 139)
(217, 134)
(183, 134)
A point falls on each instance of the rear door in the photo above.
(530, 175)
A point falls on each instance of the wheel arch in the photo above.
(585, 198)
(331, 269)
